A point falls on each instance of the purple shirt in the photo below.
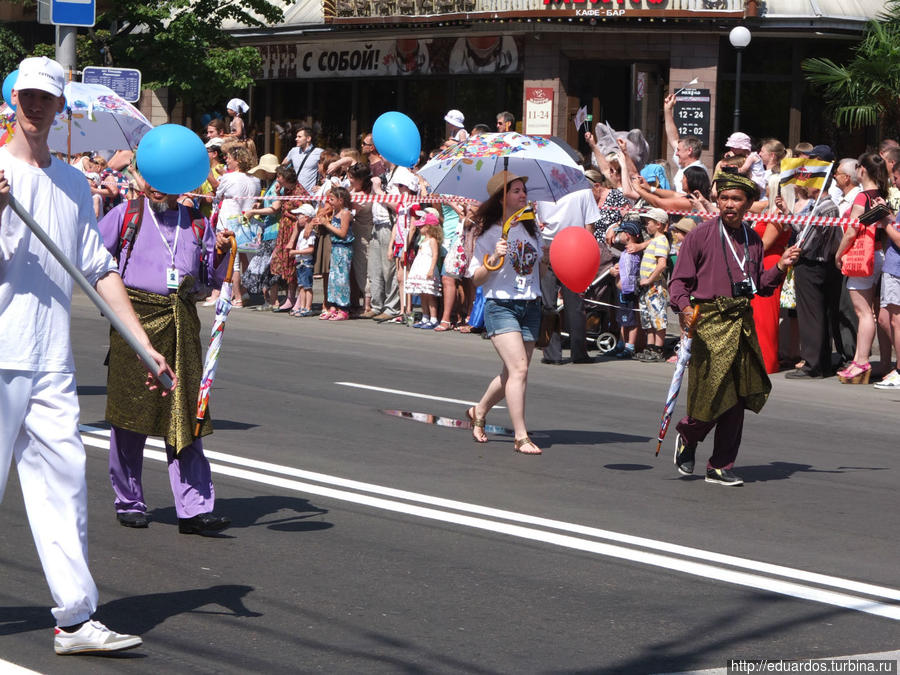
(892, 254)
(701, 270)
(146, 269)
(629, 271)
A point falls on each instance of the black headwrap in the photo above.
(735, 181)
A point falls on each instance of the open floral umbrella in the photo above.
(465, 168)
(95, 118)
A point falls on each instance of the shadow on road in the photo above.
(784, 470)
(91, 390)
(576, 437)
(277, 512)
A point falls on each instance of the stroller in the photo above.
(599, 300)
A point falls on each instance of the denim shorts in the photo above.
(305, 272)
(508, 316)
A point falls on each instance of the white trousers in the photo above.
(39, 428)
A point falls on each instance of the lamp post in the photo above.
(739, 37)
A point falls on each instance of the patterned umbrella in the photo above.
(223, 308)
(465, 168)
(100, 120)
(684, 357)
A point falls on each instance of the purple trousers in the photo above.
(729, 428)
(189, 475)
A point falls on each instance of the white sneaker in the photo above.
(93, 636)
(891, 381)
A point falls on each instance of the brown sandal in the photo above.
(519, 443)
(477, 423)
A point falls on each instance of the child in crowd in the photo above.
(424, 279)
(654, 293)
(627, 272)
(341, 255)
(303, 252)
(679, 231)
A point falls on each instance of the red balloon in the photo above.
(575, 258)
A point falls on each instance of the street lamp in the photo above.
(739, 37)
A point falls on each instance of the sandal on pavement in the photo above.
(442, 327)
(477, 423)
(520, 443)
(856, 373)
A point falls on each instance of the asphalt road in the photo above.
(365, 543)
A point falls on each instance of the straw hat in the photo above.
(498, 180)
(267, 164)
(685, 225)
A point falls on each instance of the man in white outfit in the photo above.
(38, 403)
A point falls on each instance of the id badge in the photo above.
(521, 283)
(171, 278)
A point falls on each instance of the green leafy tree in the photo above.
(12, 51)
(180, 44)
(865, 91)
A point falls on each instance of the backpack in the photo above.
(131, 225)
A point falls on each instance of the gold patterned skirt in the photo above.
(173, 326)
(726, 361)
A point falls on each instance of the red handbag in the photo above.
(859, 259)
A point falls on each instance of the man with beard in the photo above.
(38, 401)
(719, 270)
(167, 253)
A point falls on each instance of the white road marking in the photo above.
(8, 668)
(412, 394)
(705, 570)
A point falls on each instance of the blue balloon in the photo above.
(397, 139)
(172, 159)
(8, 84)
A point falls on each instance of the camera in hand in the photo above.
(742, 289)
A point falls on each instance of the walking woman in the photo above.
(512, 311)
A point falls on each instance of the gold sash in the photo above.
(726, 361)
(173, 326)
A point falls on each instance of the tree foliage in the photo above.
(180, 44)
(866, 90)
(12, 51)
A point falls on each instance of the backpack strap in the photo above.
(131, 224)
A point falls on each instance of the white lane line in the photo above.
(644, 542)
(8, 668)
(703, 570)
(412, 394)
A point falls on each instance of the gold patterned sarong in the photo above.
(173, 326)
(726, 361)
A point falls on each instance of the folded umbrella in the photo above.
(684, 357)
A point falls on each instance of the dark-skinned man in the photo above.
(719, 269)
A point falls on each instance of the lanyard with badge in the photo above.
(745, 287)
(172, 276)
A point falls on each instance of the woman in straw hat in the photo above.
(508, 267)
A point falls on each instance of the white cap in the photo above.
(456, 118)
(39, 72)
(238, 105)
(215, 142)
(307, 210)
(403, 176)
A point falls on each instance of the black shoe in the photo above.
(204, 522)
(801, 374)
(684, 456)
(586, 359)
(723, 477)
(133, 519)
(552, 362)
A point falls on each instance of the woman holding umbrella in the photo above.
(506, 263)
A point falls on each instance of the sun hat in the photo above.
(498, 180)
(405, 177)
(267, 164)
(455, 118)
(307, 210)
(739, 141)
(429, 217)
(40, 72)
(215, 142)
(657, 214)
(630, 227)
(685, 225)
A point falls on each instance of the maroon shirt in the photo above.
(701, 272)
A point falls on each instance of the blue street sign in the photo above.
(73, 12)
(126, 82)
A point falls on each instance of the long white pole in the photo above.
(85, 285)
